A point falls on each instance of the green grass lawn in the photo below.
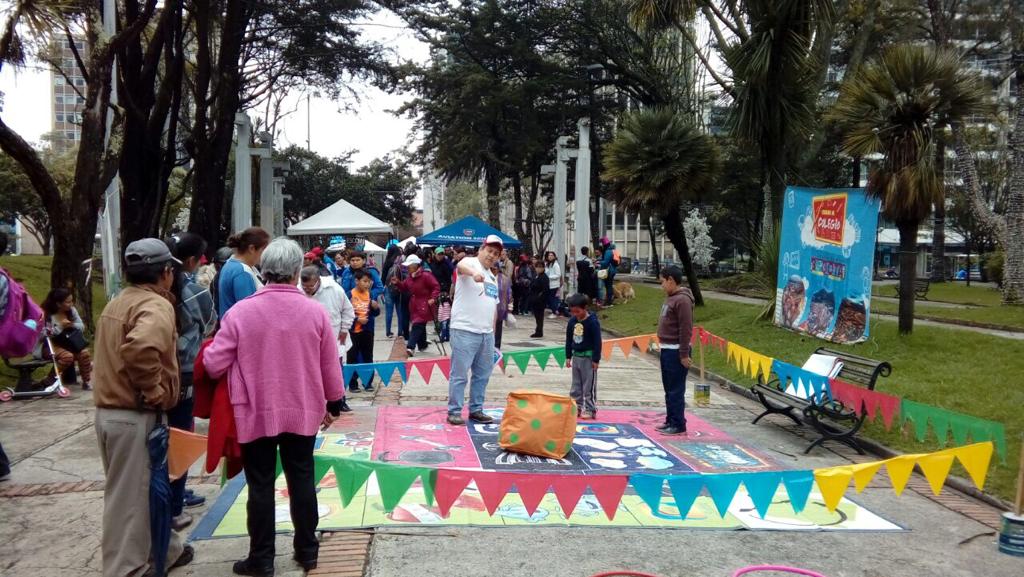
(33, 272)
(951, 292)
(957, 370)
(1006, 316)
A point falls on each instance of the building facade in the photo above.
(67, 93)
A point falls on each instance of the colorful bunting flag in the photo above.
(608, 490)
(748, 362)
(722, 488)
(568, 490)
(450, 484)
(798, 487)
(962, 425)
(387, 370)
(832, 484)
(648, 488)
(685, 489)
(761, 486)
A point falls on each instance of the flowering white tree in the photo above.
(696, 228)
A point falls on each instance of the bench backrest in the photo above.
(858, 370)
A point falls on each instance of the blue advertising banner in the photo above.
(826, 257)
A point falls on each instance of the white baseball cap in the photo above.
(493, 239)
(412, 259)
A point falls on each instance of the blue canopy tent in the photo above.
(468, 231)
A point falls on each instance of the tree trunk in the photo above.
(1013, 248)
(655, 263)
(674, 231)
(492, 179)
(939, 273)
(908, 274)
(517, 201)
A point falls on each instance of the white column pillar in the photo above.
(110, 220)
(267, 212)
(582, 236)
(615, 213)
(561, 183)
(241, 202)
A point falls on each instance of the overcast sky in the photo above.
(370, 128)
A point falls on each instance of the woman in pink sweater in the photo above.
(281, 359)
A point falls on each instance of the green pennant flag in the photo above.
(429, 480)
(542, 356)
(278, 467)
(940, 425)
(943, 422)
(520, 358)
(990, 431)
(559, 356)
(351, 476)
(394, 481)
(321, 466)
(918, 413)
(960, 425)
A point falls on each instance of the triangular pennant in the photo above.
(322, 464)
(606, 349)
(685, 489)
(975, 459)
(350, 476)
(493, 486)
(608, 490)
(445, 366)
(648, 488)
(449, 485)
(642, 342)
(762, 365)
(983, 430)
(848, 395)
(722, 488)
(542, 356)
(568, 490)
(900, 469)
(385, 371)
(346, 373)
(625, 345)
(278, 465)
(365, 373)
(936, 469)
(428, 478)
(426, 368)
(531, 489)
(559, 356)
(863, 473)
(732, 354)
(918, 414)
(521, 360)
(183, 449)
(761, 487)
(782, 370)
(890, 406)
(940, 426)
(394, 481)
(798, 488)
(960, 426)
(832, 484)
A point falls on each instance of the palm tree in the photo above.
(655, 162)
(894, 106)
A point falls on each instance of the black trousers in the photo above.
(538, 315)
(361, 352)
(260, 458)
(180, 417)
(417, 337)
(609, 290)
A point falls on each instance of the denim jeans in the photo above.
(470, 351)
(389, 311)
(673, 379)
(180, 417)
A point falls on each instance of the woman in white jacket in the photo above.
(327, 292)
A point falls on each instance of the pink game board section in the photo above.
(420, 436)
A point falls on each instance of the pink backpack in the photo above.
(16, 338)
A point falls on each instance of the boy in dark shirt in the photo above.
(583, 354)
(538, 298)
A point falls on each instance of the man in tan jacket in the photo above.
(136, 379)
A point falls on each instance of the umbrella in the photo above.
(159, 496)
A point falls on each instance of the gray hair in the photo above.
(281, 261)
(309, 273)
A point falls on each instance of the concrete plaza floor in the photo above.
(51, 508)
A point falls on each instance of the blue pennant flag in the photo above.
(387, 370)
(685, 489)
(648, 488)
(761, 487)
(346, 373)
(798, 487)
(723, 488)
(365, 372)
(784, 372)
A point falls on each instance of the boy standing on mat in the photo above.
(675, 326)
(366, 309)
(582, 355)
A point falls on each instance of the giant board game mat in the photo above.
(619, 441)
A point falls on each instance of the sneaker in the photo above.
(248, 567)
(390, 335)
(456, 420)
(662, 427)
(307, 565)
(353, 389)
(552, 316)
(186, 557)
(181, 521)
(409, 352)
(86, 386)
(193, 500)
(673, 431)
(587, 416)
(344, 407)
(480, 417)
(368, 388)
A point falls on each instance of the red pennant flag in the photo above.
(450, 485)
(568, 490)
(850, 395)
(532, 489)
(445, 366)
(890, 407)
(608, 489)
(493, 486)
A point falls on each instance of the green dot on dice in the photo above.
(513, 438)
(568, 446)
(550, 445)
(521, 403)
(556, 408)
(535, 424)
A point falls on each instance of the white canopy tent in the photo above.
(411, 239)
(340, 218)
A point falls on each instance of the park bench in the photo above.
(920, 288)
(833, 420)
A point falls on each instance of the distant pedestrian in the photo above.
(392, 264)
(423, 290)
(553, 270)
(675, 327)
(472, 327)
(239, 279)
(538, 298)
(583, 354)
(586, 278)
(136, 381)
(522, 277)
(504, 301)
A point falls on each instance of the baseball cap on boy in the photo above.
(494, 239)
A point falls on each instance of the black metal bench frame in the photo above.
(25, 368)
(833, 420)
(921, 286)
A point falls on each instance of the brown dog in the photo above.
(624, 291)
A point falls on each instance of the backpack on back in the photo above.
(17, 339)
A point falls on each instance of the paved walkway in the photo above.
(50, 511)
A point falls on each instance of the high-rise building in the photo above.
(67, 93)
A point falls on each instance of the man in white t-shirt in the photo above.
(474, 308)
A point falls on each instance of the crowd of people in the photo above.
(256, 339)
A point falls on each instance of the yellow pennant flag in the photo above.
(900, 469)
(832, 483)
(936, 469)
(975, 458)
(760, 363)
(863, 473)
